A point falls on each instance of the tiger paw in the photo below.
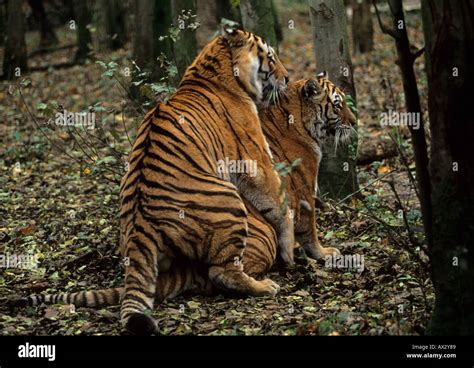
(267, 287)
(329, 252)
(317, 252)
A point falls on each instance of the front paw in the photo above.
(329, 252)
(318, 252)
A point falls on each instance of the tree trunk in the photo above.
(83, 19)
(112, 24)
(162, 22)
(143, 41)
(185, 48)
(362, 27)
(449, 36)
(258, 16)
(3, 23)
(337, 174)
(208, 17)
(277, 24)
(229, 10)
(15, 58)
(405, 62)
(152, 19)
(47, 34)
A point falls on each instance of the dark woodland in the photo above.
(399, 195)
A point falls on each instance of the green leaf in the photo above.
(279, 166)
(41, 106)
(25, 82)
(159, 87)
(106, 160)
(101, 63)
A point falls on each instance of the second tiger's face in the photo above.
(327, 112)
(256, 65)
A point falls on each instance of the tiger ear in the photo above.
(312, 88)
(323, 75)
(231, 35)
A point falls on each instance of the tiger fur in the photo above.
(174, 200)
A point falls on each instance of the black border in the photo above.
(342, 349)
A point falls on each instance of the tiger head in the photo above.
(325, 110)
(256, 65)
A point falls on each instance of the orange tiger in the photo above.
(293, 129)
(177, 201)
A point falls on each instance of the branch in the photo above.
(364, 187)
(397, 239)
(417, 54)
(385, 29)
(411, 235)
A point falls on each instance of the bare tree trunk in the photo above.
(112, 24)
(449, 36)
(152, 19)
(47, 34)
(337, 173)
(185, 48)
(143, 41)
(15, 58)
(3, 23)
(83, 19)
(362, 26)
(258, 16)
(208, 17)
(230, 10)
(405, 62)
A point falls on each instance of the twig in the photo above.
(411, 236)
(45, 50)
(404, 160)
(392, 238)
(417, 54)
(366, 186)
(126, 129)
(58, 147)
(385, 29)
(41, 130)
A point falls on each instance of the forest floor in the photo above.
(66, 213)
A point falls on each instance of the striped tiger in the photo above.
(294, 129)
(178, 201)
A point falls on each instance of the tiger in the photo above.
(177, 201)
(295, 130)
(307, 112)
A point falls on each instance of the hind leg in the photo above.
(225, 251)
(232, 277)
(183, 276)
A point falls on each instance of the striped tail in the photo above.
(93, 298)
